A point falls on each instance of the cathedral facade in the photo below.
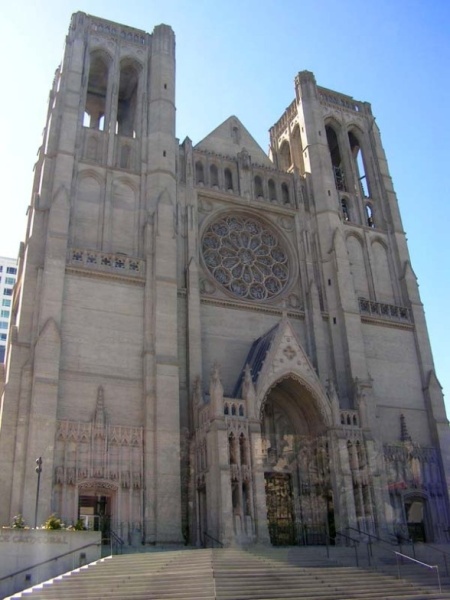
(210, 344)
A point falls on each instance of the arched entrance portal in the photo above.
(416, 518)
(95, 507)
(299, 494)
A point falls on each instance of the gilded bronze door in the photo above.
(280, 509)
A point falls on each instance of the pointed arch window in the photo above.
(127, 101)
(272, 191)
(199, 173)
(259, 193)
(285, 156)
(285, 193)
(369, 215)
(97, 89)
(228, 179)
(359, 163)
(213, 176)
(345, 210)
(336, 160)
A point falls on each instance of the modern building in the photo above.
(8, 274)
(210, 341)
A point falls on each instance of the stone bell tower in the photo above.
(97, 266)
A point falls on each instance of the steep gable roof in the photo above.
(230, 138)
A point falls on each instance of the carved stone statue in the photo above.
(216, 391)
(249, 392)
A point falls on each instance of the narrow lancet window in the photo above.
(285, 193)
(95, 108)
(359, 164)
(259, 193)
(285, 156)
(336, 161)
(127, 101)
(199, 174)
(345, 210)
(369, 216)
(228, 179)
(214, 176)
(272, 191)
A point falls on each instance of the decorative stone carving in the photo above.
(333, 395)
(246, 257)
(248, 392)
(216, 391)
(99, 415)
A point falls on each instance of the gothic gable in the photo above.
(279, 355)
(230, 139)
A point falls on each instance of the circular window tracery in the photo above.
(246, 257)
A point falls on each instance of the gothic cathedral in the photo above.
(210, 344)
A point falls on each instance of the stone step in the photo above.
(228, 574)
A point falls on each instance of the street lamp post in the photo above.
(38, 471)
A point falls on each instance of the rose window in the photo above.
(246, 257)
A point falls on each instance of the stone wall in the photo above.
(23, 548)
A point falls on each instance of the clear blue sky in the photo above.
(240, 57)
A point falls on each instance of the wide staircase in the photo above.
(233, 574)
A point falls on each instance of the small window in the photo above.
(345, 211)
(272, 191)
(1, 268)
(6, 302)
(3, 337)
(228, 179)
(369, 215)
(214, 176)
(3, 325)
(5, 314)
(258, 187)
(233, 410)
(11, 270)
(10, 280)
(285, 193)
(7, 292)
(199, 174)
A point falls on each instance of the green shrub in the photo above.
(78, 526)
(18, 522)
(53, 522)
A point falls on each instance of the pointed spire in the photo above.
(404, 433)
(100, 415)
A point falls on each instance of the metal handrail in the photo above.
(389, 542)
(44, 562)
(445, 556)
(114, 538)
(355, 545)
(216, 541)
(397, 554)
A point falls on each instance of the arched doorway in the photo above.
(95, 507)
(299, 494)
(416, 518)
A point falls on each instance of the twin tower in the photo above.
(209, 342)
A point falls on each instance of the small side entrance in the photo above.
(280, 509)
(94, 510)
(415, 510)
